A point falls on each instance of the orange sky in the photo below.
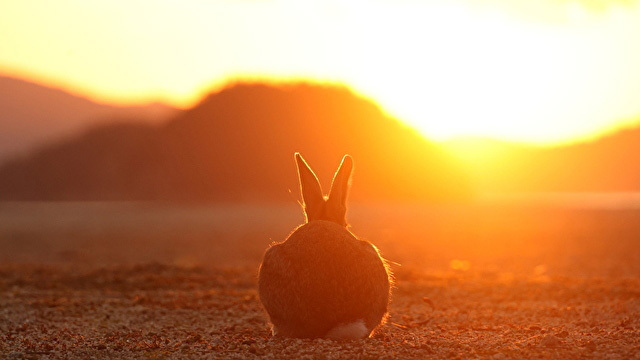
(541, 71)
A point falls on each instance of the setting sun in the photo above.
(532, 71)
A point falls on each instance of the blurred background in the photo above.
(499, 136)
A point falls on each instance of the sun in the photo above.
(492, 74)
(538, 71)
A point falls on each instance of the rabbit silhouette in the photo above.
(322, 281)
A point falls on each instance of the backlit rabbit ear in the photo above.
(340, 187)
(309, 187)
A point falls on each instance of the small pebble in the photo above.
(550, 341)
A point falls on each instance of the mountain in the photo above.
(605, 164)
(32, 114)
(238, 145)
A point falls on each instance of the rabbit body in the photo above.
(322, 278)
(322, 281)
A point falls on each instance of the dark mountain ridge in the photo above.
(238, 145)
(32, 115)
(605, 164)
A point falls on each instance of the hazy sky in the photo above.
(534, 70)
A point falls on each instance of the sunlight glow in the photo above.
(543, 71)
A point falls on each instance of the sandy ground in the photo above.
(562, 301)
(157, 311)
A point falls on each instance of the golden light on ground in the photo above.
(534, 71)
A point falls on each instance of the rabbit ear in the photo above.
(340, 187)
(309, 187)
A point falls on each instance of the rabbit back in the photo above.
(322, 278)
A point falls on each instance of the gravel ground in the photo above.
(149, 281)
(157, 311)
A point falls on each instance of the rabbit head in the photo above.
(317, 206)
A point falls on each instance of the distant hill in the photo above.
(606, 164)
(32, 114)
(238, 145)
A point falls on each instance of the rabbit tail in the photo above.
(353, 330)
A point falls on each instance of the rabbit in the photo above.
(322, 282)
